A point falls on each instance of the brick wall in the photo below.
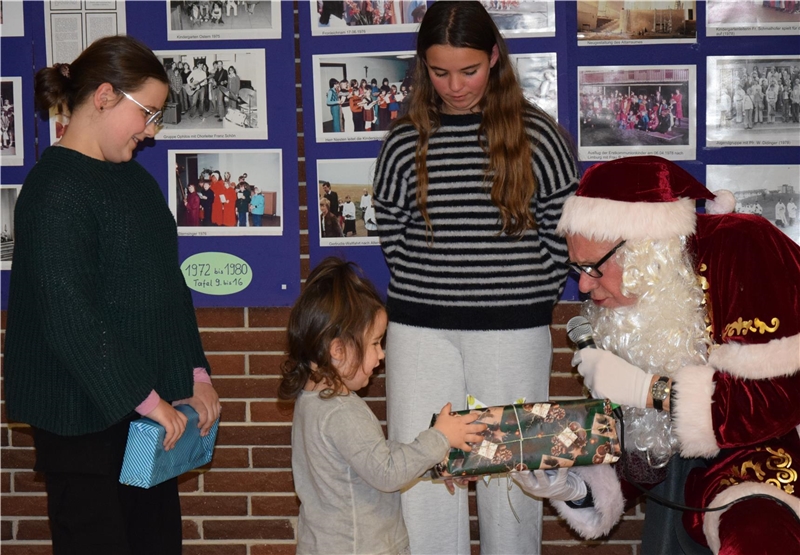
(243, 502)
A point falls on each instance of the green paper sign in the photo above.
(216, 273)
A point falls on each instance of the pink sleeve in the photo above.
(201, 376)
(150, 403)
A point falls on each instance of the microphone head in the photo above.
(579, 331)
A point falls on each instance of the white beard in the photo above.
(664, 331)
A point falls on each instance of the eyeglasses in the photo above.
(152, 117)
(592, 270)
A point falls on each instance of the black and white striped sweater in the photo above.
(471, 277)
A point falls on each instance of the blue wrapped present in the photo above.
(146, 464)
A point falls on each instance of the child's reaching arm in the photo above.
(389, 465)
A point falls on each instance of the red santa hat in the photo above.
(635, 198)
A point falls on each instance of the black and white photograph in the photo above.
(753, 101)
(637, 110)
(523, 18)
(12, 20)
(346, 212)
(347, 17)
(8, 201)
(224, 19)
(725, 18)
(538, 77)
(11, 139)
(770, 191)
(636, 22)
(358, 96)
(215, 94)
(227, 192)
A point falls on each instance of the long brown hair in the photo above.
(510, 170)
(336, 303)
(122, 61)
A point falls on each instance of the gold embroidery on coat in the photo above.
(741, 327)
(706, 303)
(779, 462)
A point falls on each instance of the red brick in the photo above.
(5, 482)
(274, 549)
(271, 482)
(189, 482)
(304, 248)
(10, 549)
(271, 411)
(566, 387)
(17, 458)
(262, 529)
(226, 365)
(565, 310)
(24, 505)
(6, 533)
(230, 457)
(28, 481)
(268, 317)
(379, 408)
(272, 457)
(214, 549)
(376, 388)
(275, 505)
(246, 388)
(588, 548)
(305, 263)
(4, 436)
(266, 364)
(234, 411)
(214, 505)
(220, 317)
(21, 436)
(190, 530)
(254, 435)
(560, 340)
(561, 362)
(33, 530)
(245, 341)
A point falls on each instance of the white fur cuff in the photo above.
(608, 507)
(779, 357)
(691, 415)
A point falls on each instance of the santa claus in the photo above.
(697, 320)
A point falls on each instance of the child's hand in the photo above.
(174, 422)
(459, 430)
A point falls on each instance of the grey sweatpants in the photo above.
(426, 368)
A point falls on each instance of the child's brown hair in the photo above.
(336, 303)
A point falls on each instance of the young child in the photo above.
(346, 474)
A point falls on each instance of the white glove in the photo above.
(610, 377)
(561, 484)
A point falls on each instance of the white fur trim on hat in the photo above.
(609, 504)
(601, 219)
(759, 361)
(691, 415)
(724, 203)
(711, 519)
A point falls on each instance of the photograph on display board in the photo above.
(227, 192)
(753, 101)
(215, 94)
(8, 201)
(12, 140)
(523, 18)
(772, 192)
(632, 22)
(71, 26)
(538, 79)
(358, 18)
(731, 19)
(346, 213)
(636, 110)
(224, 19)
(12, 21)
(358, 96)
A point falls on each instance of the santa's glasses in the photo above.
(593, 270)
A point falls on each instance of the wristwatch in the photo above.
(660, 392)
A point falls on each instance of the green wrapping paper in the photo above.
(537, 435)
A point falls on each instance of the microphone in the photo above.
(580, 332)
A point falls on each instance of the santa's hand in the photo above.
(610, 377)
(561, 484)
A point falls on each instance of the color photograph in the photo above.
(636, 110)
(538, 77)
(227, 192)
(636, 22)
(523, 18)
(365, 18)
(736, 19)
(346, 214)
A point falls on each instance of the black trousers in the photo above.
(90, 512)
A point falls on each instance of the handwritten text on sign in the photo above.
(216, 273)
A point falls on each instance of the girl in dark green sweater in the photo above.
(101, 327)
